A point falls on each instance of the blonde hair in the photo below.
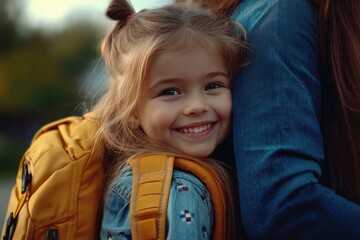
(129, 49)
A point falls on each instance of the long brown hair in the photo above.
(221, 8)
(339, 35)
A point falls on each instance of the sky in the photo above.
(56, 13)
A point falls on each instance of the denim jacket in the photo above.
(189, 215)
(277, 129)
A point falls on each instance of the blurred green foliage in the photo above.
(41, 75)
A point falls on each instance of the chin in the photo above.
(200, 153)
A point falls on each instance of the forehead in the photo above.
(186, 38)
(178, 48)
(197, 53)
(187, 64)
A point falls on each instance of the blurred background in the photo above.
(49, 69)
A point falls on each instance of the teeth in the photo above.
(195, 129)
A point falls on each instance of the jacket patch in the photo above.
(181, 187)
(186, 216)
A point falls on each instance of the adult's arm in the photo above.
(277, 136)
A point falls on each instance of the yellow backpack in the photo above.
(60, 182)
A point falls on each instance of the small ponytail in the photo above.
(120, 10)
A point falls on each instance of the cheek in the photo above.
(223, 107)
(224, 112)
(156, 120)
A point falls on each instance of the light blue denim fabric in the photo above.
(189, 214)
(277, 133)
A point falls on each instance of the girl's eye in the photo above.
(212, 86)
(169, 92)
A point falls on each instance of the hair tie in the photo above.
(132, 16)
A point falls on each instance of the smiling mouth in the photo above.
(195, 130)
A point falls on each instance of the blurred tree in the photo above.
(44, 73)
(40, 77)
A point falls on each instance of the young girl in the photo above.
(170, 74)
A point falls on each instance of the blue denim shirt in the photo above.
(189, 215)
(277, 132)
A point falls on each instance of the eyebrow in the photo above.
(170, 80)
(216, 73)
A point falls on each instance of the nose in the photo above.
(195, 105)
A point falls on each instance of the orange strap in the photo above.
(149, 197)
(150, 193)
(202, 172)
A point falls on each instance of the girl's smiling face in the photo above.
(187, 101)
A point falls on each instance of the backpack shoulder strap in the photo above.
(217, 195)
(152, 176)
(149, 197)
